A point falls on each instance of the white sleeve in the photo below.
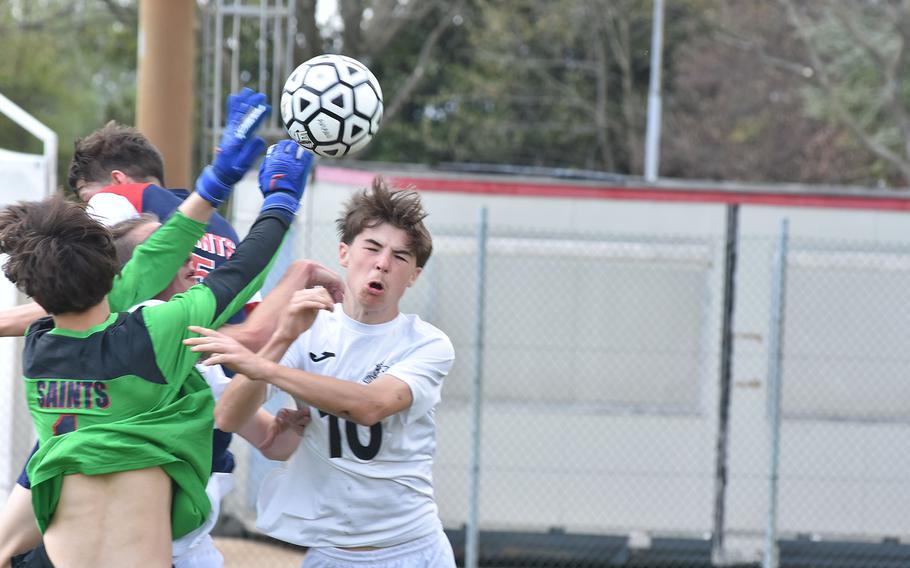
(215, 377)
(110, 208)
(423, 370)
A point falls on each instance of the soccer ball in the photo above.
(332, 105)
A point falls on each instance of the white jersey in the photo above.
(349, 485)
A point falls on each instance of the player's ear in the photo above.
(118, 177)
(343, 250)
(414, 276)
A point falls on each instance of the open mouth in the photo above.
(377, 286)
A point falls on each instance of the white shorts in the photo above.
(196, 549)
(431, 551)
(202, 555)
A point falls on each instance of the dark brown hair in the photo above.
(58, 254)
(115, 147)
(379, 204)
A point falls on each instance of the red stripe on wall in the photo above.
(771, 198)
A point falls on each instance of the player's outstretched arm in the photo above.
(231, 285)
(364, 404)
(262, 322)
(14, 321)
(276, 437)
(238, 148)
(156, 260)
(243, 397)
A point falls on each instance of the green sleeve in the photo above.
(155, 262)
(167, 323)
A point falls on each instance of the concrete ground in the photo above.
(244, 553)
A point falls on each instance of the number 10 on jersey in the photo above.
(363, 452)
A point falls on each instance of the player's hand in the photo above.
(221, 349)
(302, 311)
(286, 419)
(239, 146)
(319, 275)
(283, 176)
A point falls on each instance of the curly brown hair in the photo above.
(379, 204)
(58, 254)
(115, 147)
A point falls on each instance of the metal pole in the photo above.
(775, 353)
(164, 99)
(652, 139)
(235, 50)
(726, 358)
(472, 533)
(263, 45)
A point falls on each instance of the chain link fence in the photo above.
(600, 396)
(599, 376)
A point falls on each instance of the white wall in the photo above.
(621, 443)
(22, 177)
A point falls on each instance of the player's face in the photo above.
(183, 281)
(380, 267)
(87, 189)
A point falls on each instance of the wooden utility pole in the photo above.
(164, 103)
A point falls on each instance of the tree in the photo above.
(556, 84)
(736, 110)
(856, 55)
(401, 42)
(71, 64)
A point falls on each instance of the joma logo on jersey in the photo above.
(377, 370)
(72, 394)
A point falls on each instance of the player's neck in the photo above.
(80, 321)
(358, 312)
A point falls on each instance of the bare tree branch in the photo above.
(848, 21)
(127, 17)
(59, 19)
(390, 16)
(306, 23)
(351, 17)
(417, 73)
(602, 96)
(889, 64)
(824, 80)
(726, 37)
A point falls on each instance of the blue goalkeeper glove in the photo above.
(238, 148)
(283, 176)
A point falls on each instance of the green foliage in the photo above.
(536, 82)
(517, 83)
(70, 64)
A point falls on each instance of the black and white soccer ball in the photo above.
(332, 105)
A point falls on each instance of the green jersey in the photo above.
(125, 395)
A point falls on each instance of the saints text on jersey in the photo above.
(72, 394)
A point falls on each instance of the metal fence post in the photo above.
(775, 341)
(472, 533)
(726, 357)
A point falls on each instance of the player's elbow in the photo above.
(278, 454)
(368, 413)
(226, 420)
